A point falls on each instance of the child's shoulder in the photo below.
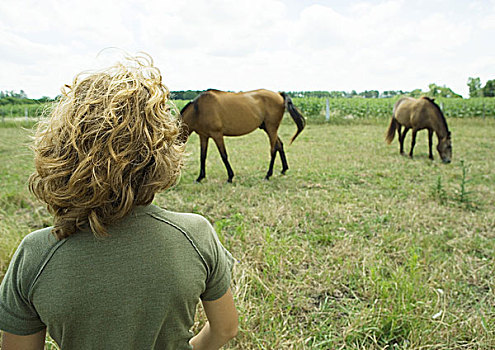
(31, 256)
(186, 221)
(42, 238)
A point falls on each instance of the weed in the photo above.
(439, 191)
(463, 194)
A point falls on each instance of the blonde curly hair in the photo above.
(110, 144)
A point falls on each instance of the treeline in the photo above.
(20, 98)
(475, 90)
(191, 94)
(434, 90)
(345, 94)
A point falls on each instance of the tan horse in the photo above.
(418, 114)
(217, 114)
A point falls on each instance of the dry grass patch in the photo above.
(355, 248)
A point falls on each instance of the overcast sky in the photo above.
(283, 45)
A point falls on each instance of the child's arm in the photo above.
(221, 326)
(34, 341)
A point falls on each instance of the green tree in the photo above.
(489, 88)
(474, 87)
(392, 93)
(337, 94)
(416, 93)
(441, 91)
(434, 90)
(185, 95)
(44, 99)
(369, 94)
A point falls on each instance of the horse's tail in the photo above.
(295, 114)
(394, 123)
(391, 130)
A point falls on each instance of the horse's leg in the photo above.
(223, 153)
(204, 149)
(273, 152)
(413, 142)
(406, 129)
(279, 146)
(399, 128)
(430, 140)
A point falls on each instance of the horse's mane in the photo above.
(185, 107)
(432, 101)
(195, 102)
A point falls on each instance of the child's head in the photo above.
(110, 144)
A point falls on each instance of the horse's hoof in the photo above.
(229, 181)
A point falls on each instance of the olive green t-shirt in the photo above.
(136, 289)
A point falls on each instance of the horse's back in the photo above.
(412, 113)
(265, 96)
(270, 107)
(238, 113)
(255, 100)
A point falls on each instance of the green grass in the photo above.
(356, 247)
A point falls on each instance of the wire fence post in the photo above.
(327, 110)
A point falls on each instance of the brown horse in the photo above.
(418, 114)
(217, 114)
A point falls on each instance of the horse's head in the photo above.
(184, 133)
(445, 148)
(184, 117)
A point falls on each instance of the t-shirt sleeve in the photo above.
(221, 264)
(17, 314)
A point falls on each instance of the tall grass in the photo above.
(356, 247)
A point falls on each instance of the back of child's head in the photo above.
(110, 144)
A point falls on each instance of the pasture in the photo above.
(356, 247)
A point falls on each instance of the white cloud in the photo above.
(282, 45)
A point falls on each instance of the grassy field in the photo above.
(355, 248)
